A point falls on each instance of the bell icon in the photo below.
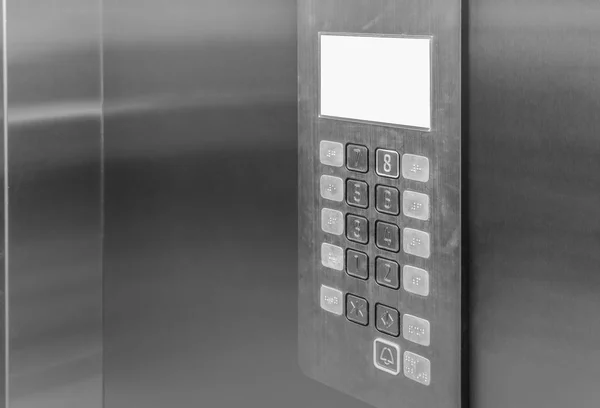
(387, 357)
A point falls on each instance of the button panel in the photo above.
(383, 243)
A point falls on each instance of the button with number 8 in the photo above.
(388, 163)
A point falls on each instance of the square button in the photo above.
(332, 188)
(357, 158)
(386, 356)
(415, 168)
(357, 229)
(332, 153)
(416, 243)
(357, 193)
(332, 221)
(388, 163)
(387, 273)
(387, 200)
(332, 257)
(417, 368)
(332, 300)
(387, 320)
(357, 264)
(415, 280)
(388, 236)
(415, 205)
(357, 310)
(416, 330)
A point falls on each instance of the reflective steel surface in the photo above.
(200, 256)
(54, 203)
(534, 203)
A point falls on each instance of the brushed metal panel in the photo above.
(54, 204)
(534, 203)
(201, 236)
(335, 351)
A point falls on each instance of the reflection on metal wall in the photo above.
(534, 200)
(54, 204)
(200, 256)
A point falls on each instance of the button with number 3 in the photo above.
(388, 163)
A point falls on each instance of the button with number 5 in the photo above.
(388, 163)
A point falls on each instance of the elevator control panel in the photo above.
(380, 282)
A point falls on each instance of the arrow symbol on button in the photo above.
(387, 320)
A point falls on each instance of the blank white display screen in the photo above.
(376, 79)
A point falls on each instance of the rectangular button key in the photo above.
(387, 200)
(332, 300)
(416, 243)
(357, 193)
(415, 280)
(332, 257)
(332, 188)
(357, 264)
(332, 153)
(388, 236)
(357, 158)
(415, 205)
(332, 221)
(415, 168)
(357, 229)
(417, 368)
(416, 330)
(388, 163)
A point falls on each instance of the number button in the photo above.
(357, 158)
(387, 273)
(388, 163)
(387, 200)
(357, 193)
(332, 153)
(358, 229)
(357, 264)
(388, 236)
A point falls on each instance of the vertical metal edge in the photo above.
(464, 204)
(4, 354)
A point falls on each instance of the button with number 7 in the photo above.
(388, 163)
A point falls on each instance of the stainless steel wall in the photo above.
(534, 202)
(53, 55)
(200, 255)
